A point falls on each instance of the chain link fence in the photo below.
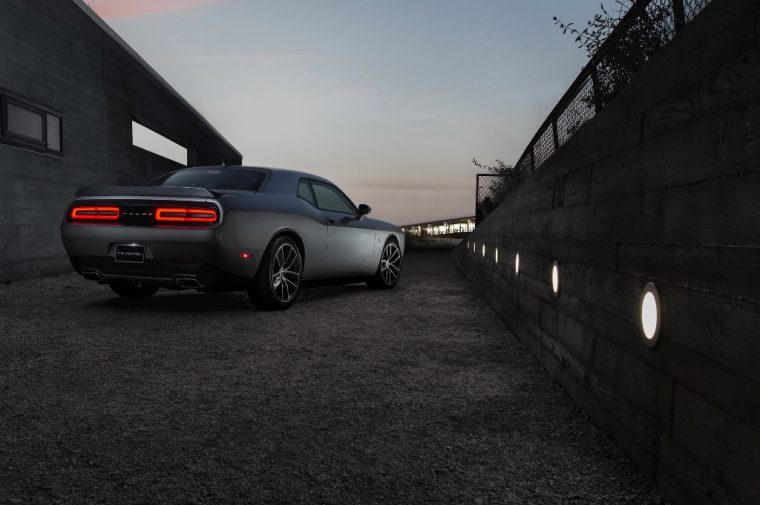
(647, 27)
(693, 7)
(489, 193)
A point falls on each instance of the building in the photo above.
(72, 92)
(457, 227)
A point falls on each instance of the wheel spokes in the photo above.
(286, 272)
(390, 261)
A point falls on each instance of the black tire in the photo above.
(389, 270)
(127, 289)
(278, 278)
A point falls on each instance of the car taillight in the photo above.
(97, 213)
(186, 215)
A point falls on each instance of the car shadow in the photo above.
(195, 302)
(180, 302)
(316, 293)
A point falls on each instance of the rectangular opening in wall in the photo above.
(147, 139)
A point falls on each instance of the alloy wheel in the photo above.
(390, 263)
(286, 272)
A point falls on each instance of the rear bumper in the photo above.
(174, 257)
(165, 273)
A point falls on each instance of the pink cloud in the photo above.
(120, 9)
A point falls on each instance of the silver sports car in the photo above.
(264, 230)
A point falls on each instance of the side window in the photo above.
(304, 192)
(330, 198)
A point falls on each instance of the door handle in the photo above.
(330, 220)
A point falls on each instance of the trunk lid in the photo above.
(146, 191)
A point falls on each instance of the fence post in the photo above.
(477, 199)
(679, 15)
(556, 135)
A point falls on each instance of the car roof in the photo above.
(281, 180)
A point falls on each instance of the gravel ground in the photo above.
(416, 395)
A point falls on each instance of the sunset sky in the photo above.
(389, 99)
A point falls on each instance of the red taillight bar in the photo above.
(185, 215)
(95, 213)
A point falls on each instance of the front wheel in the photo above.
(136, 289)
(279, 276)
(389, 269)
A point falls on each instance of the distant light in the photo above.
(517, 264)
(484, 250)
(650, 314)
(496, 255)
(555, 279)
(474, 246)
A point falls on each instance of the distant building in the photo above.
(446, 228)
(73, 92)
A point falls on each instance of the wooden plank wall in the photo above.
(662, 186)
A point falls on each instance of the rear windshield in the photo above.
(213, 178)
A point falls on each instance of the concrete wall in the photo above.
(53, 53)
(663, 186)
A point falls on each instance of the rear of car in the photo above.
(167, 234)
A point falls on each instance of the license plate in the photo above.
(130, 253)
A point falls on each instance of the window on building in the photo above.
(53, 132)
(30, 125)
(147, 139)
(25, 122)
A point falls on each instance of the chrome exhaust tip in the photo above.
(187, 282)
(92, 275)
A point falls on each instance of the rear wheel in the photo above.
(279, 276)
(389, 269)
(132, 289)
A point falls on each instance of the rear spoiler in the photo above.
(155, 191)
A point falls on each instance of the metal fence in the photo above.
(489, 193)
(646, 28)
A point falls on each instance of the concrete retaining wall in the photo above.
(662, 186)
(54, 54)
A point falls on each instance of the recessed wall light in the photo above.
(517, 264)
(651, 314)
(555, 279)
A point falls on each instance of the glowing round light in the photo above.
(484, 250)
(555, 279)
(517, 263)
(650, 314)
(496, 255)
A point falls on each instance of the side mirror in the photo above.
(363, 210)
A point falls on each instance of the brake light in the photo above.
(94, 213)
(185, 215)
